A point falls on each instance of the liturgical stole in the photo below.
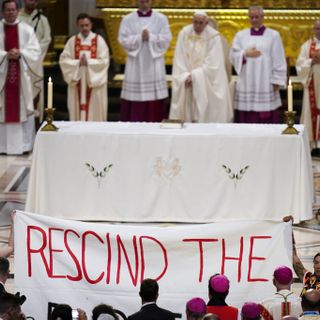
(93, 54)
(12, 86)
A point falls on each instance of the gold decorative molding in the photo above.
(215, 4)
(295, 26)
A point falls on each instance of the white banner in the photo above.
(84, 264)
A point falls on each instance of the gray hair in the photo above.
(256, 8)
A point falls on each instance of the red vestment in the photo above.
(12, 86)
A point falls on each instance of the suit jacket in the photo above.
(152, 312)
(2, 288)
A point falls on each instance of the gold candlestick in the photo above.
(289, 118)
(49, 118)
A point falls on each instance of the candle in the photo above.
(50, 93)
(290, 108)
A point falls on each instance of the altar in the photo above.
(138, 172)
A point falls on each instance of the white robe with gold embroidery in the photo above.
(305, 71)
(96, 74)
(202, 57)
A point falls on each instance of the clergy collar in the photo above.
(81, 36)
(257, 32)
(148, 303)
(142, 14)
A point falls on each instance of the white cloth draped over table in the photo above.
(140, 173)
(254, 91)
(145, 73)
(305, 71)
(96, 75)
(202, 57)
(16, 138)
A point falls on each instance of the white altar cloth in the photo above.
(137, 172)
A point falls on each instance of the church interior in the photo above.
(293, 19)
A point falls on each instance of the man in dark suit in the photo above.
(4, 273)
(149, 293)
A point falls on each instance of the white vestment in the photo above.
(305, 72)
(254, 90)
(16, 138)
(145, 73)
(96, 74)
(226, 54)
(41, 26)
(273, 304)
(202, 57)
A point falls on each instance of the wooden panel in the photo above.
(295, 26)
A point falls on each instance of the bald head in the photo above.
(289, 318)
(311, 300)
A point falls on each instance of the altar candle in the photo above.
(50, 93)
(290, 108)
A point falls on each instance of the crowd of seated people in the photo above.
(279, 307)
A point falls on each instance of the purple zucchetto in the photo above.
(219, 283)
(283, 275)
(250, 310)
(197, 305)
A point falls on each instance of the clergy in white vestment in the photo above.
(35, 18)
(145, 36)
(284, 301)
(84, 63)
(258, 57)
(200, 89)
(19, 55)
(308, 70)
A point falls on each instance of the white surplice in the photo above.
(41, 26)
(145, 74)
(96, 75)
(16, 138)
(254, 90)
(202, 57)
(274, 303)
(305, 72)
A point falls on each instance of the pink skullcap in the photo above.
(219, 283)
(250, 310)
(197, 305)
(283, 275)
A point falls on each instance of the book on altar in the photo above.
(171, 124)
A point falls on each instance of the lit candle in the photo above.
(290, 108)
(50, 93)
